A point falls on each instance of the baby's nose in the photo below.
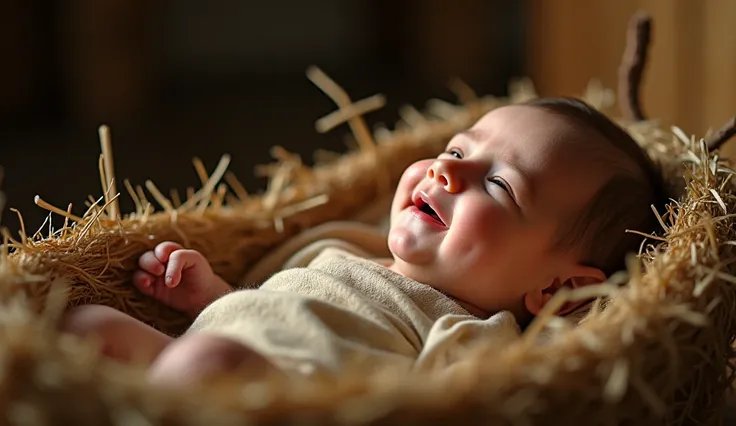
(443, 172)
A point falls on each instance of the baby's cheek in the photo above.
(482, 233)
(489, 223)
(409, 180)
(415, 173)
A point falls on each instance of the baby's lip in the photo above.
(420, 197)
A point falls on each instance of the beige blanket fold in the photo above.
(344, 310)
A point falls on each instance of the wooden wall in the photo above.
(691, 76)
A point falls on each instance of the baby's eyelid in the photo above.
(497, 180)
(453, 151)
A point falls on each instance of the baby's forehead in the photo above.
(530, 118)
(524, 127)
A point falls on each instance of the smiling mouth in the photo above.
(429, 211)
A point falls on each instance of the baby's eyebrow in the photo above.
(472, 134)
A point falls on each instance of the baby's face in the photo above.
(479, 221)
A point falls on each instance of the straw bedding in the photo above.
(653, 351)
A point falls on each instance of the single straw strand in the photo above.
(106, 144)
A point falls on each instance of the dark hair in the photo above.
(623, 202)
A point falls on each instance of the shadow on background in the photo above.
(179, 79)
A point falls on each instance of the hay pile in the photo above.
(653, 351)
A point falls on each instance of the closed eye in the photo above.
(500, 182)
(504, 185)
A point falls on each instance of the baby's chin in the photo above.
(406, 247)
(412, 260)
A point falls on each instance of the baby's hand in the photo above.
(179, 278)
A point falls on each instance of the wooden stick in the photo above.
(632, 66)
(106, 144)
(721, 136)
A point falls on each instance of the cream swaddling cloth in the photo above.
(344, 312)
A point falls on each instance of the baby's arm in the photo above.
(121, 336)
(179, 278)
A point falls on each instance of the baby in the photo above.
(533, 198)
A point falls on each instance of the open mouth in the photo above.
(429, 211)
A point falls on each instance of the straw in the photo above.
(654, 351)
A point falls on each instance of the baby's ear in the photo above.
(578, 276)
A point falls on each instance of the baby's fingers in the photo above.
(144, 281)
(163, 251)
(178, 262)
(148, 262)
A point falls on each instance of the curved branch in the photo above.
(721, 136)
(632, 66)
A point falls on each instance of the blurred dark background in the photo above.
(185, 78)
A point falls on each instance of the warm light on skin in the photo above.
(501, 191)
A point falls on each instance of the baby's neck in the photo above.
(472, 309)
